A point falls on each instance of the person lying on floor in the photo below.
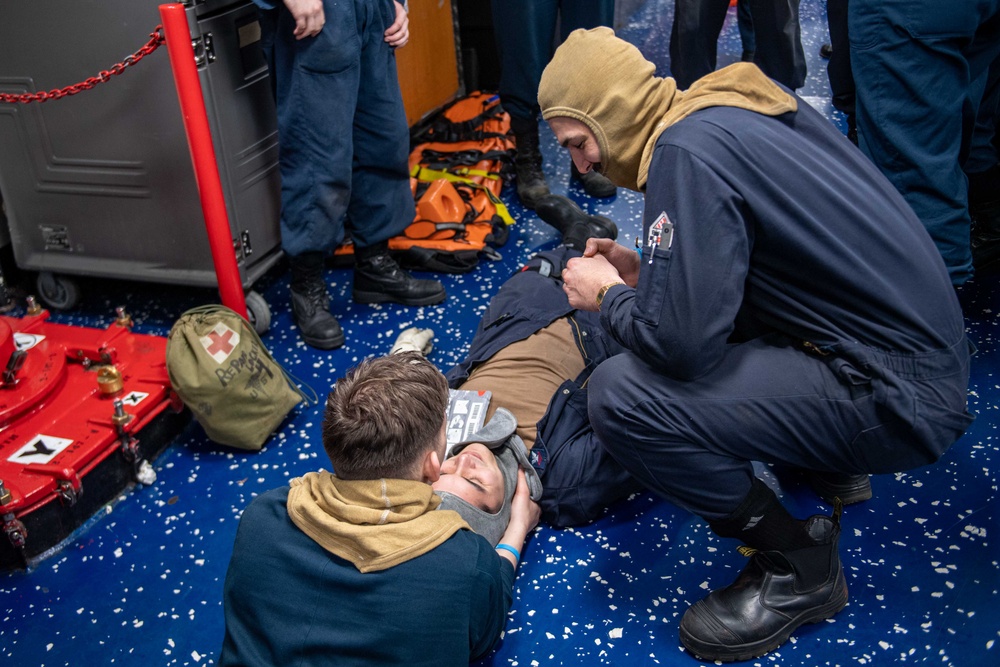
(354, 568)
(788, 308)
(534, 353)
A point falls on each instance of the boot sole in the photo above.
(721, 653)
(607, 226)
(550, 215)
(597, 193)
(849, 494)
(325, 343)
(381, 297)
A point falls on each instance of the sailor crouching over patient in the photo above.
(788, 307)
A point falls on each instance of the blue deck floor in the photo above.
(142, 583)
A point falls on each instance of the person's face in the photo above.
(580, 140)
(474, 476)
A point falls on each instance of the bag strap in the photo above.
(435, 159)
(443, 129)
(422, 174)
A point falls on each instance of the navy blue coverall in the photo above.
(798, 314)
(920, 67)
(579, 479)
(342, 131)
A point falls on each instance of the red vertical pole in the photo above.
(206, 168)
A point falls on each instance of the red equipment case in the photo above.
(82, 411)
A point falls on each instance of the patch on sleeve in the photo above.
(661, 232)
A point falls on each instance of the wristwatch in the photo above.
(604, 290)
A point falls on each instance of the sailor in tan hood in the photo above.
(787, 307)
(621, 100)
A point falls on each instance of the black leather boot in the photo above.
(311, 303)
(986, 236)
(831, 485)
(594, 184)
(573, 223)
(776, 593)
(379, 279)
(984, 209)
(531, 185)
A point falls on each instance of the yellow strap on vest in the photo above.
(422, 174)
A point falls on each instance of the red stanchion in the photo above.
(206, 168)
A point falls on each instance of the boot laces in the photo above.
(386, 266)
(316, 298)
(530, 170)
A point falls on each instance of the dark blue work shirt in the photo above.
(779, 224)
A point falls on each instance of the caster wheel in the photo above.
(259, 313)
(57, 292)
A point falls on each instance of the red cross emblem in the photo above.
(220, 342)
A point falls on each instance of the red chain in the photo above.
(155, 39)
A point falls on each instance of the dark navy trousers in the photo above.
(859, 411)
(776, 34)
(525, 33)
(342, 130)
(839, 65)
(919, 68)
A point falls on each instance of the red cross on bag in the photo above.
(220, 342)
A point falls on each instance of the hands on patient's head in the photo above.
(524, 512)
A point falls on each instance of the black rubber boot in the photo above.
(986, 237)
(531, 185)
(311, 303)
(776, 593)
(594, 184)
(984, 209)
(831, 485)
(573, 223)
(379, 279)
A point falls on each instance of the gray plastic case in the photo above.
(101, 183)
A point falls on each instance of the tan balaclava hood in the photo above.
(607, 84)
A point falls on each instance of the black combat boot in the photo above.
(311, 303)
(574, 225)
(984, 209)
(852, 128)
(776, 593)
(594, 184)
(831, 485)
(531, 185)
(379, 279)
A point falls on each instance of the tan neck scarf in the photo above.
(375, 524)
(607, 84)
